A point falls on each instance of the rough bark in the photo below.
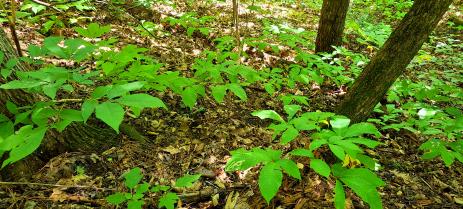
(76, 137)
(331, 24)
(392, 59)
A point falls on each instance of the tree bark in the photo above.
(76, 137)
(392, 59)
(331, 24)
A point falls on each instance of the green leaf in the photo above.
(363, 182)
(243, 159)
(87, 108)
(6, 129)
(120, 90)
(219, 92)
(367, 142)
(290, 167)
(142, 188)
(302, 153)
(291, 110)
(270, 179)
(158, 188)
(339, 122)
(101, 91)
(187, 180)
(116, 198)
(22, 84)
(132, 177)
(362, 128)
(108, 67)
(339, 196)
(93, 30)
(303, 124)
(168, 200)
(68, 116)
(320, 167)
(238, 91)
(141, 101)
(135, 204)
(267, 114)
(189, 97)
(110, 113)
(26, 140)
(289, 135)
(338, 151)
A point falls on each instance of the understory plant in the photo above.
(347, 142)
(137, 190)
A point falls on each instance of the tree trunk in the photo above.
(331, 24)
(76, 137)
(392, 59)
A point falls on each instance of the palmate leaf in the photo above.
(135, 204)
(132, 177)
(116, 198)
(270, 178)
(168, 200)
(187, 180)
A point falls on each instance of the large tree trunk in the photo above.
(76, 137)
(331, 24)
(393, 58)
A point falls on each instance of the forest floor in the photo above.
(199, 141)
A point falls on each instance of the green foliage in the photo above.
(448, 151)
(191, 23)
(342, 140)
(362, 181)
(271, 175)
(93, 30)
(291, 128)
(187, 180)
(20, 144)
(138, 190)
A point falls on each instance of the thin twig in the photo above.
(12, 24)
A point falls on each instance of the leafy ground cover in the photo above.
(229, 128)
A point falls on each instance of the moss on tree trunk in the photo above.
(392, 59)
